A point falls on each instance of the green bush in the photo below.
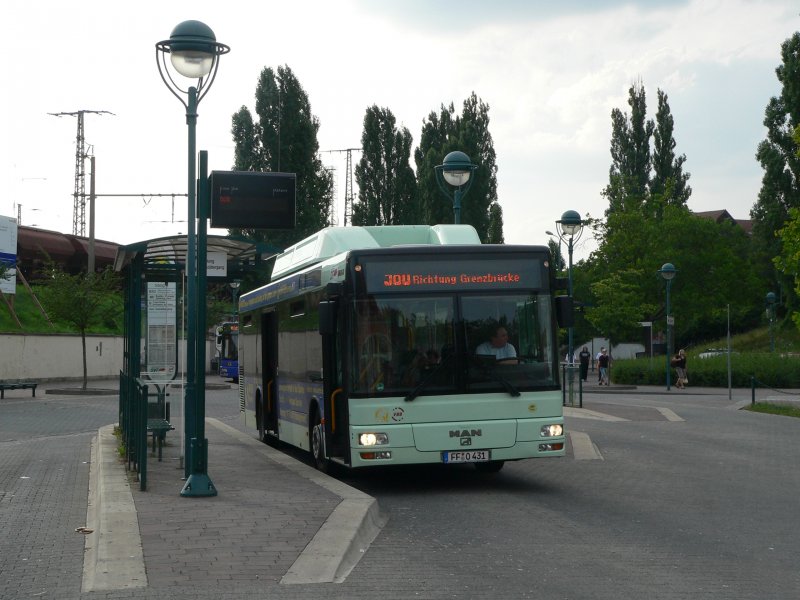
(769, 369)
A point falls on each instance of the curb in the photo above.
(346, 534)
(113, 557)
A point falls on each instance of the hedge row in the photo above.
(769, 369)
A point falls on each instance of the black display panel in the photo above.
(252, 200)
(476, 274)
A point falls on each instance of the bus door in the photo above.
(335, 408)
(269, 372)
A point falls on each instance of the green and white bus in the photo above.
(364, 349)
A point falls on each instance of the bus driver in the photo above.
(499, 347)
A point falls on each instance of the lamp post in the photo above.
(771, 299)
(456, 170)
(570, 228)
(194, 53)
(667, 272)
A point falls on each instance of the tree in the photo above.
(284, 139)
(618, 306)
(83, 300)
(386, 182)
(788, 262)
(443, 133)
(638, 179)
(714, 270)
(778, 155)
(668, 185)
(629, 175)
(495, 233)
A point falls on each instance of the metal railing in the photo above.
(133, 395)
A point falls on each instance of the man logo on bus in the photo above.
(466, 433)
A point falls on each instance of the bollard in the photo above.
(752, 391)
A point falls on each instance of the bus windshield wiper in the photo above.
(415, 392)
(489, 370)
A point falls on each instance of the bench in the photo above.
(159, 429)
(17, 385)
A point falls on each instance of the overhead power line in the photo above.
(79, 195)
(348, 184)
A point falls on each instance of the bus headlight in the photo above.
(373, 439)
(553, 430)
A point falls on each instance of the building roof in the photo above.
(721, 216)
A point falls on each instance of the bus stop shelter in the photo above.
(163, 260)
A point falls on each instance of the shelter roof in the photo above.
(160, 252)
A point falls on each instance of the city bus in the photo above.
(362, 347)
(227, 343)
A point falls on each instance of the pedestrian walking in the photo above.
(679, 363)
(604, 362)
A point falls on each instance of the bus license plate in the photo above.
(466, 456)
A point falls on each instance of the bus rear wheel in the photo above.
(318, 445)
(262, 433)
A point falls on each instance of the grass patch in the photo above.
(33, 321)
(785, 410)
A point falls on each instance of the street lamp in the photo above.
(771, 299)
(570, 228)
(668, 271)
(456, 170)
(194, 53)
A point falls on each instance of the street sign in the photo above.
(670, 320)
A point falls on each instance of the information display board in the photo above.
(252, 200)
(161, 352)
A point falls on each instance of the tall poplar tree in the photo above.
(468, 132)
(669, 184)
(386, 184)
(629, 175)
(641, 180)
(283, 138)
(778, 155)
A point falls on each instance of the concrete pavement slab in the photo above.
(275, 519)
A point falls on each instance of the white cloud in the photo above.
(551, 73)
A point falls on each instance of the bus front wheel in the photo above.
(492, 466)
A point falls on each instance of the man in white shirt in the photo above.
(499, 347)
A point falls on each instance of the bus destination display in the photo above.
(439, 275)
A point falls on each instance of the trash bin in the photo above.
(571, 385)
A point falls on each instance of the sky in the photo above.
(551, 73)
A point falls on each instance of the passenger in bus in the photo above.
(421, 364)
(499, 347)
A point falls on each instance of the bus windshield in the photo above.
(447, 344)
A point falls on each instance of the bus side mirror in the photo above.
(565, 311)
(327, 317)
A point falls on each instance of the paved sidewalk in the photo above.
(276, 523)
(275, 520)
